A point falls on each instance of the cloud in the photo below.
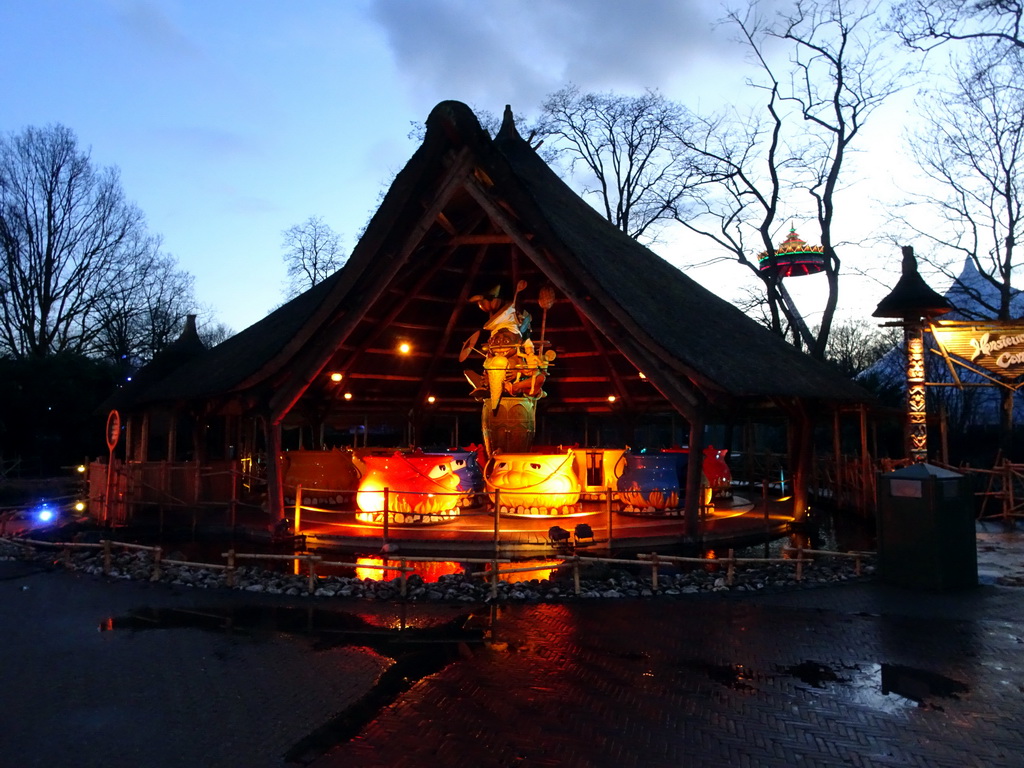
(513, 51)
(154, 30)
(206, 143)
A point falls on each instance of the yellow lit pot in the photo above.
(533, 484)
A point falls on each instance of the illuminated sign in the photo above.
(995, 347)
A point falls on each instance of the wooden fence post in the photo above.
(654, 570)
(157, 557)
(311, 583)
(403, 585)
(576, 574)
(799, 564)
(608, 505)
(106, 557)
(229, 573)
(730, 573)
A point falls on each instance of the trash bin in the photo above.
(926, 536)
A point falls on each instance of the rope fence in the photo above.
(802, 557)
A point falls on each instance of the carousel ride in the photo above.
(508, 472)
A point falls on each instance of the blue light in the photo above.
(44, 514)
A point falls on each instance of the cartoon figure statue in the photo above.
(515, 368)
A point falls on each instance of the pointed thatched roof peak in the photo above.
(911, 297)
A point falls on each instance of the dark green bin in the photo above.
(926, 534)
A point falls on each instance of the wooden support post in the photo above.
(654, 571)
(802, 447)
(694, 483)
(730, 572)
(158, 554)
(312, 580)
(608, 508)
(233, 504)
(403, 585)
(867, 495)
(497, 542)
(576, 574)
(837, 452)
(497, 524)
(106, 556)
(229, 573)
(275, 484)
(799, 564)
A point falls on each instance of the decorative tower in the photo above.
(913, 302)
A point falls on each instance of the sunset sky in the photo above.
(232, 121)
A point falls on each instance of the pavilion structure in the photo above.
(483, 283)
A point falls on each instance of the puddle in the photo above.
(417, 651)
(734, 676)
(886, 687)
(813, 673)
(919, 686)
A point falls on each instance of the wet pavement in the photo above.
(113, 673)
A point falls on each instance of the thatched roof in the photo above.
(469, 213)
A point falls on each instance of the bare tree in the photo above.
(926, 24)
(624, 151)
(144, 310)
(66, 233)
(312, 252)
(856, 345)
(971, 152)
(213, 333)
(755, 168)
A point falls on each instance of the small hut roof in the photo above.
(911, 297)
(469, 211)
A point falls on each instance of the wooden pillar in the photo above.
(837, 452)
(694, 491)
(172, 436)
(275, 484)
(144, 439)
(800, 456)
(867, 487)
(129, 439)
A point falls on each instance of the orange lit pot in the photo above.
(421, 488)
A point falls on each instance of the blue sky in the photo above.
(232, 120)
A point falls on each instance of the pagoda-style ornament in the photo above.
(793, 258)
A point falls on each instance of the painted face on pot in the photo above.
(534, 480)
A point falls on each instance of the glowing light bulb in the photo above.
(336, 377)
(405, 348)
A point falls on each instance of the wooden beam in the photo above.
(332, 335)
(496, 238)
(688, 400)
(446, 334)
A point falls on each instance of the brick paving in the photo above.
(854, 674)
